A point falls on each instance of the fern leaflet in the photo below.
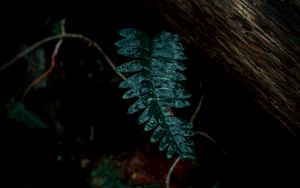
(155, 64)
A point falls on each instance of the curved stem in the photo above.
(167, 182)
(197, 109)
(201, 133)
(60, 36)
(52, 65)
(193, 117)
(38, 79)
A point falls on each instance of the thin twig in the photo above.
(194, 115)
(60, 36)
(52, 65)
(167, 182)
(92, 133)
(201, 133)
(197, 109)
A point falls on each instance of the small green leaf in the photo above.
(170, 151)
(167, 45)
(145, 116)
(137, 106)
(138, 90)
(128, 42)
(133, 33)
(174, 103)
(167, 36)
(183, 123)
(18, 112)
(106, 175)
(133, 80)
(168, 74)
(172, 93)
(151, 124)
(168, 64)
(141, 103)
(158, 133)
(168, 54)
(165, 142)
(131, 66)
(133, 52)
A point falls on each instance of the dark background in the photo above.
(260, 153)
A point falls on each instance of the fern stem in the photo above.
(167, 182)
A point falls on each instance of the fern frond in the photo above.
(155, 64)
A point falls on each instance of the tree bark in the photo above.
(257, 41)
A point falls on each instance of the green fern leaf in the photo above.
(155, 65)
(131, 66)
(18, 112)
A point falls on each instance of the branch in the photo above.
(60, 36)
(49, 70)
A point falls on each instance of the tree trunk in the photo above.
(257, 41)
